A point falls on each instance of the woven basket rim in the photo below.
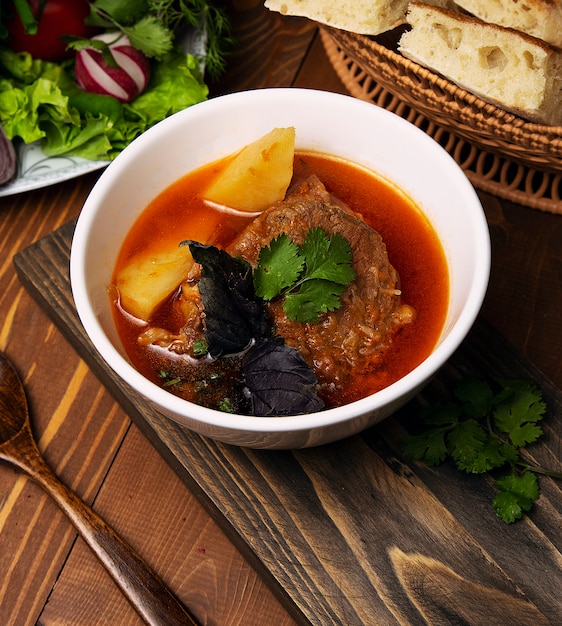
(503, 168)
(505, 121)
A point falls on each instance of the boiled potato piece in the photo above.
(258, 175)
(149, 279)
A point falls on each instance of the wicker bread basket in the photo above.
(500, 152)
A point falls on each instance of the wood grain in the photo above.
(87, 431)
(325, 527)
(141, 585)
(31, 525)
(523, 300)
(279, 42)
(49, 577)
(172, 530)
(443, 597)
(85, 435)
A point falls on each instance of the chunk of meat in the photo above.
(356, 334)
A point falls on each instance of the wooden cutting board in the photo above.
(350, 533)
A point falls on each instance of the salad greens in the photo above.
(36, 103)
(40, 100)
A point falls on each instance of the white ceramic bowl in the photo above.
(325, 122)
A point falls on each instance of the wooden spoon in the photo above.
(155, 603)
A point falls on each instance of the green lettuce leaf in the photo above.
(175, 84)
(41, 101)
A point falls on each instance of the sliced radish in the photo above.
(124, 82)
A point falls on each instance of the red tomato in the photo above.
(59, 17)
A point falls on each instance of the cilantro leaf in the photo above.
(476, 396)
(525, 433)
(517, 415)
(429, 447)
(492, 454)
(151, 25)
(311, 277)
(123, 11)
(466, 441)
(313, 297)
(485, 430)
(276, 378)
(442, 415)
(150, 37)
(327, 258)
(517, 494)
(279, 266)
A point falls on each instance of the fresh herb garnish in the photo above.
(233, 315)
(225, 405)
(200, 348)
(279, 381)
(485, 430)
(208, 16)
(151, 26)
(42, 102)
(167, 380)
(276, 378)
(310, 277)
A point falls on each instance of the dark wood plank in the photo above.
(346, 533)
(523, 300)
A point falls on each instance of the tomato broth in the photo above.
(180, 213)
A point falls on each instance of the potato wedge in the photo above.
(149, 279)
(258, 175)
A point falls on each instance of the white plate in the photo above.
(36, 170)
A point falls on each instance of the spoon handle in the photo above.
(154, 602)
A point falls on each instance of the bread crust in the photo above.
(361, 16)
(510, 69)
(364, 17)
(539, 18)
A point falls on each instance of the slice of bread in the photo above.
(515, 71)
(364, 17)
(540, 18)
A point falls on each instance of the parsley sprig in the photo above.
(485, 430)
(311, 277)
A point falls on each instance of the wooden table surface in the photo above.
(49, 576)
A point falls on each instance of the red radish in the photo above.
(124, 82)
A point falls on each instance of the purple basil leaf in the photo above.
(233, 315)
(279, 380)
(8, 162)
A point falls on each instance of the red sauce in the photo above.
(413, 248)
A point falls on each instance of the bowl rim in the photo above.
(303, 422)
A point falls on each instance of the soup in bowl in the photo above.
(405, 228)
